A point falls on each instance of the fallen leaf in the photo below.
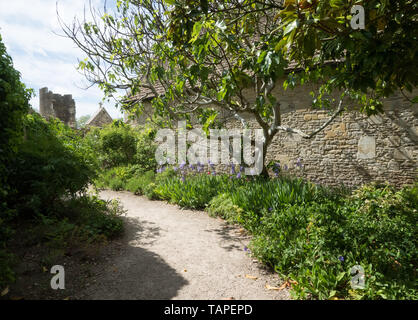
(185, 270)
(284, 285)
(5, 291)
(269, 287)
(251, 277)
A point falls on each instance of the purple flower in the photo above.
(285, 167)
(241, 169)
(341, 258)
(270, 209)
(183, 179)
(232, 168)
(246, 249)
(182, 165)
(239, 175)
(175, 168)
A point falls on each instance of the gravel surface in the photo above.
(169, 253)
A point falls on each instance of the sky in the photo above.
(45, 59)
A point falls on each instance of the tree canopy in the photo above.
(202, 56)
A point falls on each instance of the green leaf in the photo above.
(290, 27)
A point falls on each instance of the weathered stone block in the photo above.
(366, 148)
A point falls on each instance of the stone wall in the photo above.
(57, 106)
(354, 149)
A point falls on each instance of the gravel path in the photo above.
(169, 253)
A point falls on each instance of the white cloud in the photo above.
(44, 58)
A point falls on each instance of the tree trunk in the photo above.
(264, 173)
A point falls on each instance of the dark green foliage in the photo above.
(137, 184)
(14, 103)
(223, 206)
(95, 217)
(145, 149)
(119, 145)
(50, 164)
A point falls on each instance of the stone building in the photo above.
(100, 118)
(352, 150)
(57, 106)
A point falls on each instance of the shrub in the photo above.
(95, 216)
(317, 244)
(117, 145)
(138, 183)
(223, 206)
(14, 104)
(47, 167)
(145, 149)
(150, 191)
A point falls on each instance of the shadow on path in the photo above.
(231, 238)
(135, 272)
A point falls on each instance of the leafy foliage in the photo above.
(51, 163)
(119, 144)
(313, 235)
(202, 57)
(14, 104)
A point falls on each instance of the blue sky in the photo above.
(45, 59)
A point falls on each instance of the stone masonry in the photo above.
(100, 118)
(354, 149)
(57, 106)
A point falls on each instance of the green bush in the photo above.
(14, 104)
(145, 149)
(80, 223)
(120, 145)
(96, 217)
(150, 191)
(48, 167)
(138, 183)
(117, 145)
(317, 244)
(223, 206)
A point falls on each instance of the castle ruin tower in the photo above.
(57, 106)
